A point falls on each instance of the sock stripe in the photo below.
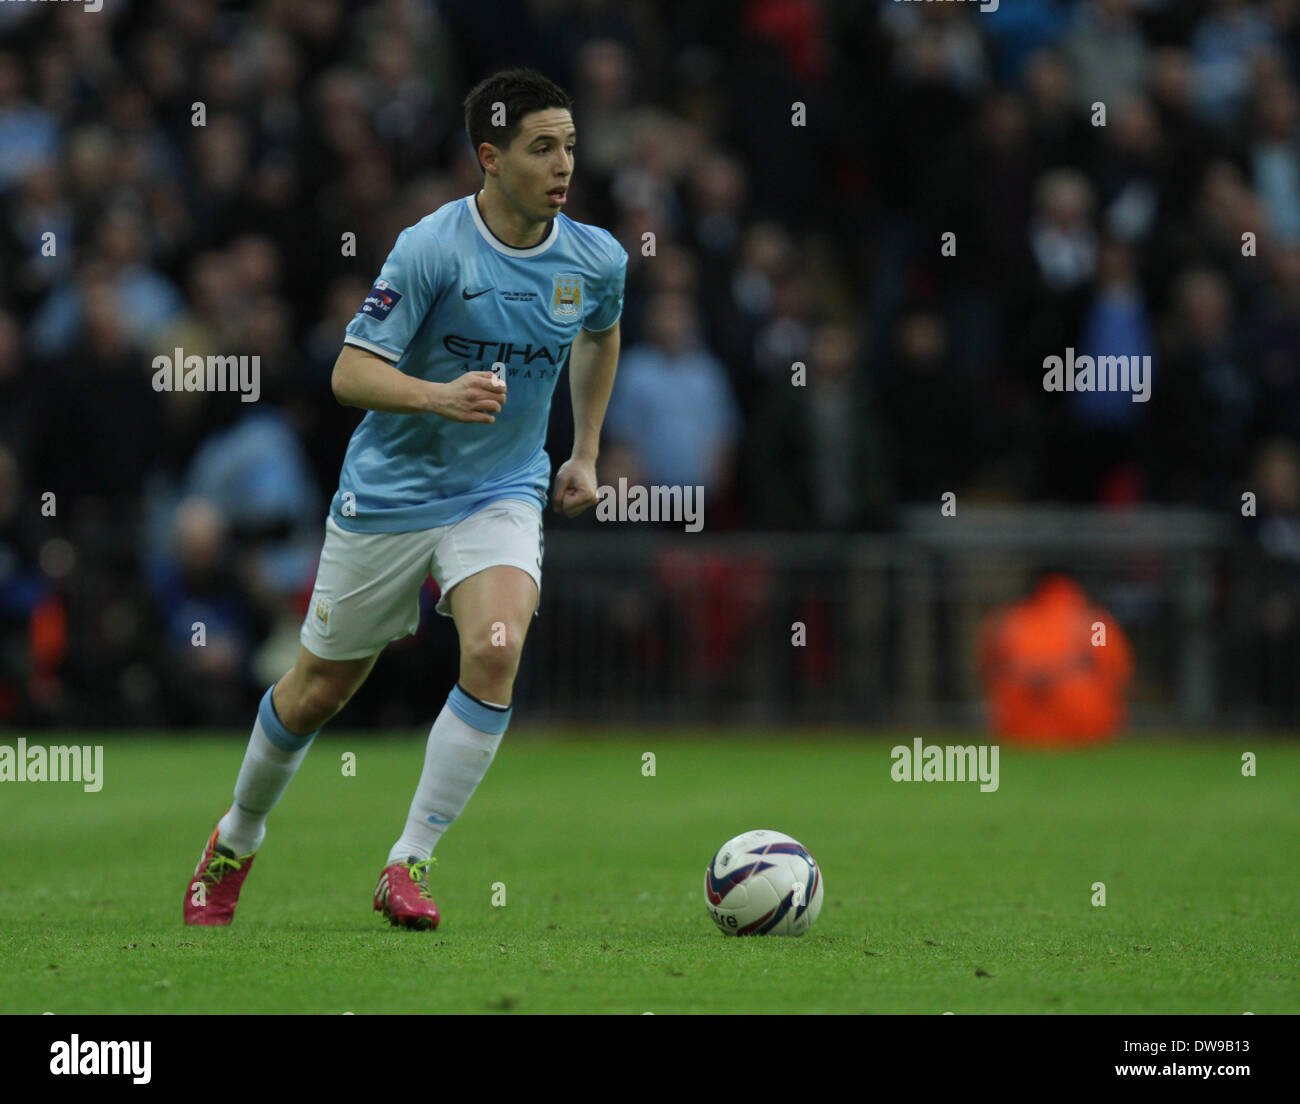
(486, 718)
(274, 728)
(485, 704)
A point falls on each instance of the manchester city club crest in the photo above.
(566, 302)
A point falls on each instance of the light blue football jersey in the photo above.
(453, 298)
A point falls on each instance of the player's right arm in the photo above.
(366, 373)
(369, 382)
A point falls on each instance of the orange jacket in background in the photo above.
(1047, 682)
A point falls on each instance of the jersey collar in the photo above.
(509, 250)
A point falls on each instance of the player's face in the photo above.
(536, 167)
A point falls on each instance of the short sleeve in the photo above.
(608, 302)
(400, 299)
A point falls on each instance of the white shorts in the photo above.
(367, 591)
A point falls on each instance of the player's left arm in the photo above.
(593, 361)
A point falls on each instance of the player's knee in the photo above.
(320, 696)
(493, 656)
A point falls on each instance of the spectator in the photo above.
(1276, 609)
(927, 401)
(207, 617)
(1275, 338)
(1275, 157)
(1061, 235)
(1107, 52)
(673, 407)
(258, 477)
(1225, 45)
(829, 437)
(1206, 393)
(1110, 426)
(33, 618)
(28, 136)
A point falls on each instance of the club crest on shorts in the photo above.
(566, 300)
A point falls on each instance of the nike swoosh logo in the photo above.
(464, 293)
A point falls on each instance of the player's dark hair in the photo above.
(521, 92)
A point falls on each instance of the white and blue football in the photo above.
(763, 883)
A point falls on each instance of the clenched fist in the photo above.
(575, 487)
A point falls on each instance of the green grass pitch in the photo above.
(939, 898)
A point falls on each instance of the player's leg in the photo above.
(312, 692)
(492, 607)
(291, 714)
(492, 611)
(366, 594)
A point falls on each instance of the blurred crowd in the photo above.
(1111, 176)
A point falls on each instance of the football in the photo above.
(763, 883)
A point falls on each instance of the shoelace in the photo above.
(219, 866)
(420, 876)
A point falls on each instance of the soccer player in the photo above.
(454, 354)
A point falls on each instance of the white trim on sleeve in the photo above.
(371, 347)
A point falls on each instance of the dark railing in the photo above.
(672, 626)
(644, 624)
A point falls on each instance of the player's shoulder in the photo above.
(596, 241)
(447, 219)
(434, 243)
